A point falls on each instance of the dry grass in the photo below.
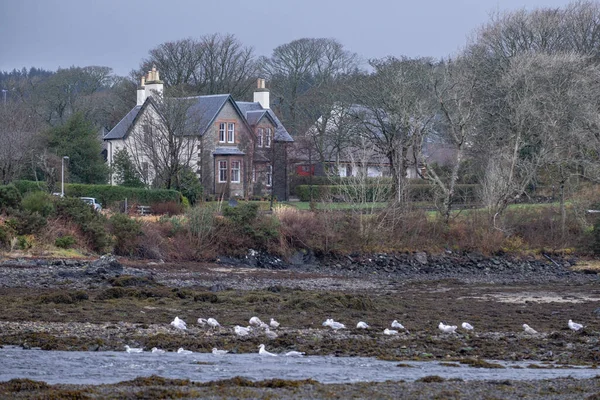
(587, 265)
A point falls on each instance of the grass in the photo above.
(588, 265)
(305, 205)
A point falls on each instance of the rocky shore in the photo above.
(106, 303)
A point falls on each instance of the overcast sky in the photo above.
(118, 33)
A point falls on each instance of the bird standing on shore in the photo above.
(467, 326)
(274, 324)
(334, 324)
(270, 334)
(241, 331)
(574, 326)
(179, 323)
(447, 328)
(255, 321)
(157, 350)
(201, 321)
(181, 350)
(529, 329)
(133, 349)
(362, 325)
(263, 352)
(218, 352)
(213, 323)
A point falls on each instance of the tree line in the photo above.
(516, 107)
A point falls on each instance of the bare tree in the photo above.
(295, 68)
(454, 85)
(166, 141)
(19, 131)
(211, 64)
(396, 114)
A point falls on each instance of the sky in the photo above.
(119, 33)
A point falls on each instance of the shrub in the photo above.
(25, 222)
(40, 202)
(91, 223)
(24, 242)
(126, 230)
(9, 197)
(243, 214)
(6, 234)
(64, 242)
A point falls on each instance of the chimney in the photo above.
(154, 86)
(261, 95)
(141, 92)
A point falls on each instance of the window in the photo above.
(259, 137)
(147, 134)
(222, 171)
(269, 175)
(235, 171)
(268, 138)
(231, 132)
(222, 127)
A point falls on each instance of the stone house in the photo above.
(236, 148)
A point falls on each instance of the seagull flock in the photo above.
(256, 323)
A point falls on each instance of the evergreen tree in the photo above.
(77, 138)
(189, 185)
(124, 170)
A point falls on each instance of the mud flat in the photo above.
(104, 304)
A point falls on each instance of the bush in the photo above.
(40, 202)
(64, 242)
(91, 223)
(126, 230)
(107, 194)
(9, 197)
(25, 222)
(243, 214)
(6, 234)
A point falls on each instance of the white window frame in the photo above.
(268, 138)
(236, 169)
(269, 175)
(230, 132)
(222, 131)
(259, 137)
(222, 171)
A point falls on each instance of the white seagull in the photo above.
(467, 326)
(213, 323)
(274, 324)
(389, 332)
(270, 334)
(398, 325)
(263, 352)
(334, 324)
(157, 350)
(181, 350)
(133, 349)
(529, 329)
(255, 321)
(294, 354)
(179, 323)
(202, 321)
(362, 325)
(218, 352)
(574, 326)
(447, 328)
(263, 325)
(241, 331)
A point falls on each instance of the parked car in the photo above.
(93, 202)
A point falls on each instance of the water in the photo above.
(110, 367)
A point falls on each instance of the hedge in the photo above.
(108, 194)
(466, 193)
(25, 187)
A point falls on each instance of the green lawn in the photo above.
(305, 205)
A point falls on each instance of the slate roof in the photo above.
(281, 134)
(122, 128)
(205, 109)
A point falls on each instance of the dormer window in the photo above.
(259, 137)
(268, 137)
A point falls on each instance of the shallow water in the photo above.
(77, 367)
